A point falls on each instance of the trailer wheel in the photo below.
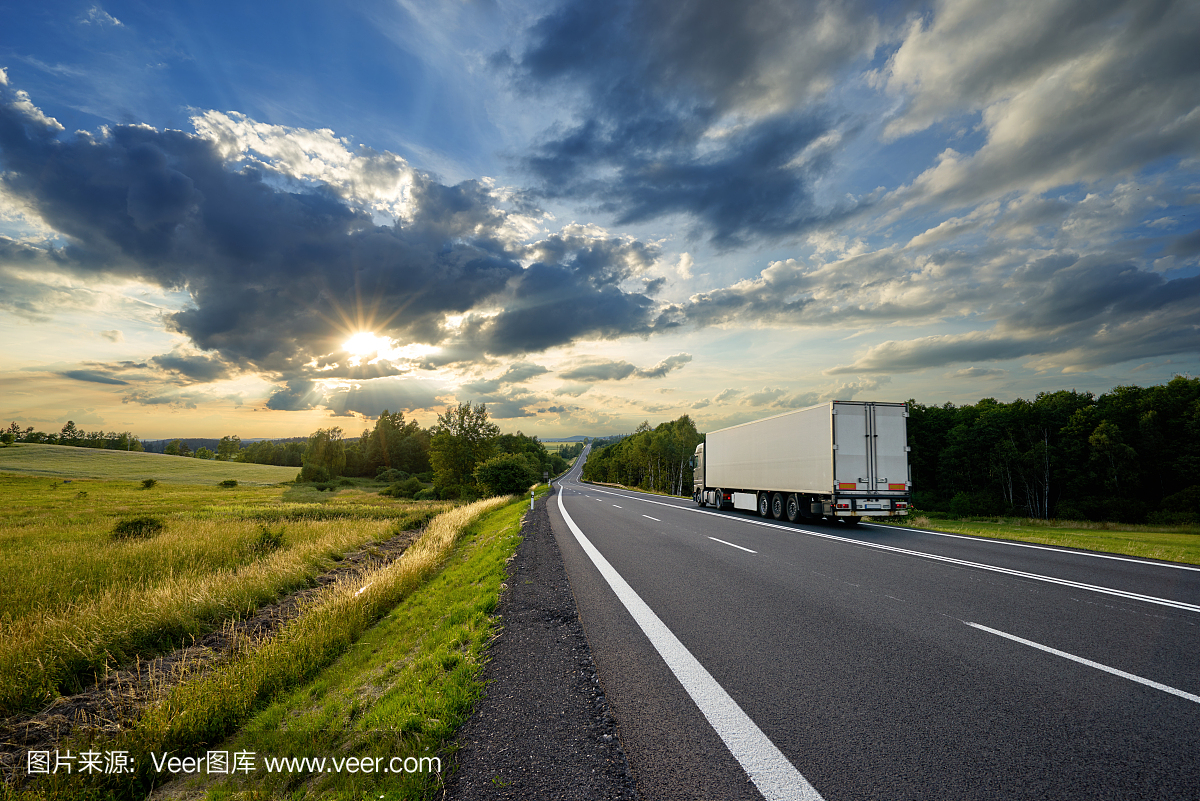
(793, 508)
(778, 506)
(764, 505)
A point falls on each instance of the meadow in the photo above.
(67, 462)
(392, 645)
(79, 598)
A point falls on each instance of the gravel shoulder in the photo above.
(543, 731)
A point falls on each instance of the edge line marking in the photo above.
(772, 773)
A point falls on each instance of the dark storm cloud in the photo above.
(699, 108)
(278, 278)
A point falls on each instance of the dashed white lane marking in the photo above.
(731, 545)
(618, 507)
(1079, 585)
(655, 519)
(774, 776)
(1149, 683)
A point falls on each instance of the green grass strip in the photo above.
(1177, 545)
(197, 714)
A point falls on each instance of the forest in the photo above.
(1131, 455)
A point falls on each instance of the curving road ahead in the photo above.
(748, 658)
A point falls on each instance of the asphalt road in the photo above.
(747, 658)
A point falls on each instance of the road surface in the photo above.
(750, 658)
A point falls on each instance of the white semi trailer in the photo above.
(844, 460)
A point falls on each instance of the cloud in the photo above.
(113, 335)
(274, 235)
(92, 376)
(978, 372)
(707, 109)
(370, 398)
(193, 366)
(1066, 91)
(592, 370)
(98, 16)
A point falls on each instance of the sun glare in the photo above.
(365, 343)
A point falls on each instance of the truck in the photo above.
(841, 460)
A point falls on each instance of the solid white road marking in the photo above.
(655, 519)
(774, 776)
(731, 545)
(1156, 685)
(992, 541)
(1131, 596)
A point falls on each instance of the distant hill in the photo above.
(66, 462)
(576, 438)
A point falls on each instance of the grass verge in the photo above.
(1180, 544)
(78, 598)
(403, 687)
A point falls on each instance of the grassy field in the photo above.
(1168, 543)
(383, 666)
(66, 462)
(78, 598)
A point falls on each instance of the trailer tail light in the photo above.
(843, 506)
(901, 505)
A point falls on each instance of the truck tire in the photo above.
(778, 506)
(764, 505)
(793, 508)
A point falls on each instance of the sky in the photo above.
(267, 218)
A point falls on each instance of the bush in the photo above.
(229, 482)
(312, 473)
(267, 540)
(345, 482)
(507, 474)
(147, 483)
(426, 495)
(390, 474)
(404, 489)
(138, 528)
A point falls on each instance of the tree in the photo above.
(228, 447)
(205, 453)
(175, 448)
(326, 449)
(462, 438)
(69, 434)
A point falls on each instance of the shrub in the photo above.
(507, 474)
(404, 489)
(147, 483)
(345, 482)
(229, 482)
(390, 474)
(313, 473)
(427, 495)
(138, 527)
(267, 540)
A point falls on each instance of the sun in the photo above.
(366, 343)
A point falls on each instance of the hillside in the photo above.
(66, 462)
